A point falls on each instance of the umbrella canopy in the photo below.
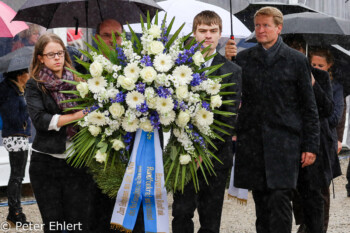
(318, 28)
(84, 13)
(342, 65)
(17, 60)
(247, 15)
(175, 8)
(8, 28)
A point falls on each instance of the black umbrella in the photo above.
(84, 13)
(247, 15)
(16, 60)
(318, 28)
(342, 66)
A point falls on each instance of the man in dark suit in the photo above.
(277, 126)
(207, 27)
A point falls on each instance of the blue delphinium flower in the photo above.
(127, 140)
(146, 60)
(196, 80)
(91, 109)
(163, 92)
(183, 106)
(120, 97)
(176, 104)
(154, 118)
(140, 87)
(142, 107)
(205, 105)
(121, 56)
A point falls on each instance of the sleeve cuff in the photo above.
(53, 123)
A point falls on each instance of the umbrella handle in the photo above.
(232, 37)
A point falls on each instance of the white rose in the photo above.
(83, 89)
(156, 47)
(117, 144)
(100, 157)
(146, 126)
(117, 110)
(151, 102)
(215, 101)
(182, 92)
(198, 58)
(182, 119)
(185, 159)
(94, 130)
(126, 83)
(96, 69)
(148, 74)
(155, 31)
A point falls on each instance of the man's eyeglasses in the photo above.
(53, 55)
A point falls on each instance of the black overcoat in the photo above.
(278, 119)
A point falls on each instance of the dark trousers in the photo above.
(273, 210)
(62, 192)
(310, 205)
(18, 161)
(348, 178)
(208, 201)
(326, 195)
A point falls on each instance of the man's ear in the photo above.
(280, 26)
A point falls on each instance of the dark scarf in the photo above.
(55, 85)
(271, 52)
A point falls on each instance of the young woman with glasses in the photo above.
(61, 191)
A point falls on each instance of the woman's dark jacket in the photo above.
(42, 107)
(333, 121)
(13, 110)
(319, 174)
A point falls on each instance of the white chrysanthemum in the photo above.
(117, 144)
(163, 62)
(184, 159)
(167, 118)
(155, 31)
(101, 157)
(204, 117)
(146, 126)
(112, 92)
(83, 89)
(149, 92)
(134, 98)
(97, 84)
(164, 105)
(213, 89)
(96, 69)
(132, 70)
(130, 126)
(148, 74)
(94, 130)
(117, 110)
(183, 74)
(96, 118)
(215, 101)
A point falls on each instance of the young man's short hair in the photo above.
(271, 11)
(207, 18)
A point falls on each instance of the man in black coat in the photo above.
(207, 26)
(278, 126)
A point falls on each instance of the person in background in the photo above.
(27, 37)
(322, 59)
(15, 134)
(62, 191)
(105, 30)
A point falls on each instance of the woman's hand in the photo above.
(65, 119)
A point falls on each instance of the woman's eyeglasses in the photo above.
(53, 55)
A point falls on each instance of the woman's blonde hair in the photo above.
(39, 48)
